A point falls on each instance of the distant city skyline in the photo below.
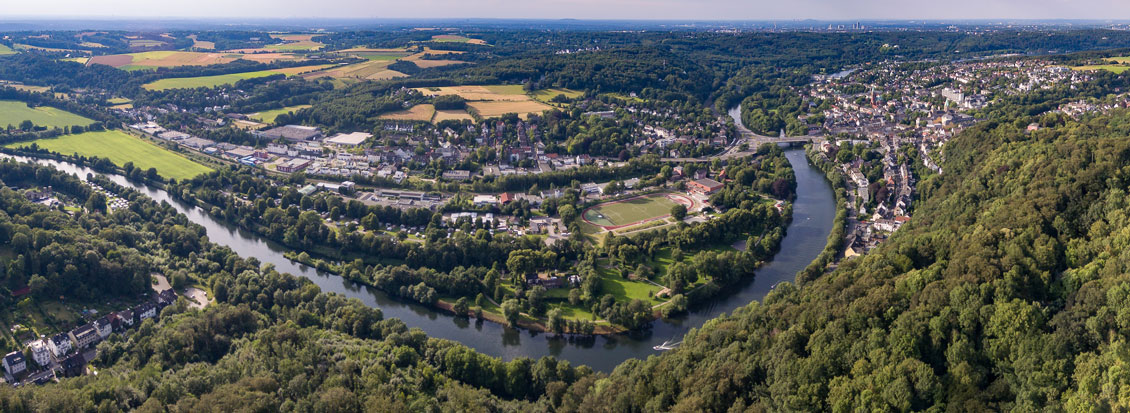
(579, 9)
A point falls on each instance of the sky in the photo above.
(578, 9)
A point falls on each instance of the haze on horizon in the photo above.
(579, 9)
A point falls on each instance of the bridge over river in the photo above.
(751, 139)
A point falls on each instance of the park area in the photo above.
(120, 148)
(213, 81)
(14, 112)
(634, 211)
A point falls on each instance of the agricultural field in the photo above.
(120, 103)
(120, 148)
(419, 61)
(1115, 68)
(545, 95)
(29, 88)
(448, 114)
(212, 81)
(496, 93)
(370, 70)
(146, 43)
(377, 54)
(79, 60)
(165, 58)
(5, 50)
(454, 38)
(13, 112)
(423, 112)
(491, 100)
(490, 109)
(21, 46)
(268, 116)
(201, 44)
(295, 42)
(633, 211)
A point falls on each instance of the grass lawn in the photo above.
(622, 289)
(213, 81)
(268, 116)
(631, 210)
(12, 112)
(120, 148)
(5, 50)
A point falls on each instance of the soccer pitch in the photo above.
(121, 148)
(617, 214)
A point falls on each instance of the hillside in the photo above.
(1008, 291)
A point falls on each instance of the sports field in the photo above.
(268, 116)
(13, 112)
(632, 211)
(212, 81)
(120, 148)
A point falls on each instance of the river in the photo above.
(813, 213)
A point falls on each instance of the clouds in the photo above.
(582, 9)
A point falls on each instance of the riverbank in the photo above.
(835, 245)
(813, 212)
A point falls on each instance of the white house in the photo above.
(60, 344)
(104, 327)
(40, 353)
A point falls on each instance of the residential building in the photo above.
(104, 327)
(85, 335)
(144, 311)
(40, 353)
(126, 317)
(73, 366)
(15, 364)
(457, 175)
(60, 344)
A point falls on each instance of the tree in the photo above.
(556, 321)
(512, 311)
(574, 296)
(679, 212)
(37, 284)
(96, 202)
(461, 307)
